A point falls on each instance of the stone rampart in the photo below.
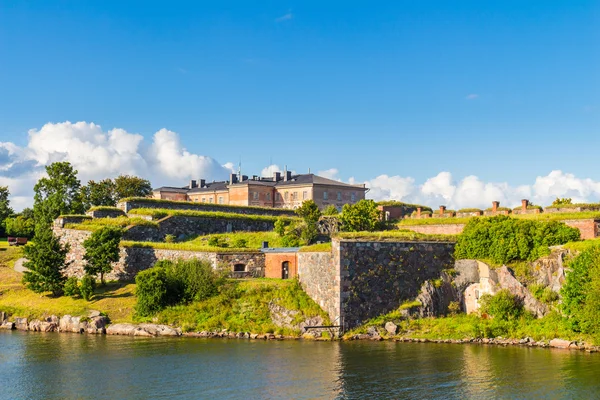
(105, 213)
(437, 229)
(359, 280)
(208, 207)
(135, 259)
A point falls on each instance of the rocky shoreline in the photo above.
(98, 324)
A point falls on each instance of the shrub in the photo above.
(362, 216)
(170, 238)
(280, 225)
(88, 285)
(151, 291)
(71, 287)
(503, 305)
(240, 243)
(502, 239)
(330, 210)
(290, 240)
(216, 241)
(562, 202)
(454, 307)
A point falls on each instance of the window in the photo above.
(268, 196)
(339, 196)
(210, 199)
(285, 196)
(277, 196)
(295, 196)
(325, 195)
(304, 195)
(204, 199)
(220, 200)
(239, 268)
(353, 196)
(255, 195)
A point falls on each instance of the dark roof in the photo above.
(299, 179)
(280, 250)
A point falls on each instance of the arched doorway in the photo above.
(285, 270)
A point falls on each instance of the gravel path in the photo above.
(19, 265)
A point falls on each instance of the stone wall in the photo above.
(61, 221)
(589, 228)
(135, 259)
(105, 213)
(186, 205)
(359, 280)
(320, 279)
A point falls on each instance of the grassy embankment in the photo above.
(536, 217)
(242, 305)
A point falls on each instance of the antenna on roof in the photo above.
(309, 170)
(240, 170)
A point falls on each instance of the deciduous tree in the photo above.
(101, 250)
(131, 186)
(362, 216)
(101, 193)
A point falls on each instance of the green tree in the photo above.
(131, 186)
(310, 213)
(503, 305)
(101, 250)
(330, 210)
(562, 202)
(20, 226)
(101, 193)
(362, 216)
(46, 261)
(5, 210)
(59, 193)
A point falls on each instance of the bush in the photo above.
(454, 307)
(359, 217)
(151, 291)
(170, 238)
(290, 240)
(71, 287)
(502, 239)
(280, 225)
(503, 305)
(330, 210)
(240, 243)
(581, 292)
(88, 285)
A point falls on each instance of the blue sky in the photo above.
(505, 90)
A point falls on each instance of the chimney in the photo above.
(233, 178)
(244, 178)
(524, 204)
(276, 176)
(495, 205)
(288, 176)
(442, 210)
(202, 183)
(254, 177)
(192, 184)
(419, 209)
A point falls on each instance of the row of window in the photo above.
(339, 196)
(210, 200)
(286, 196)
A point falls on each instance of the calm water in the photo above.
(65, 366)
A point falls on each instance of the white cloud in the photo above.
(471, 191)
(98, 154)
(268, 171)
(284, 17)
(472, 96)
(331, 173)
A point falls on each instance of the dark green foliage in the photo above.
(561, 202)
(290, 239)
(100, 193)
(502, 239)
(170, 238)
(5, 210)
(151, 291)
(58, 194)
(131, 186)
(581, 292)
(217, 241)
(101, 250)
(171, 283)
(20, 226)
(46, 260)
(240, 243)
(87, 287)
(280, 225)
(543, 293)
(359, 217)
(503, 305)
(310, 213)
(330, 210)
(72, 287)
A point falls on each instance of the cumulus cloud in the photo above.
(98, 154)
(331, 173)
(471, 191)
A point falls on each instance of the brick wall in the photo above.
(589, 228)
(274, 261)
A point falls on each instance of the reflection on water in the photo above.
(63, 366)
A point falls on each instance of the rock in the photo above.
(21, 324)
(72, 324)
(121, 329)
(253, 336)
(560, 343)
(3, 316)
(94, 314)
(7, 325)
(391, 328)
(97, 325)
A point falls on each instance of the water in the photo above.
(70, 366)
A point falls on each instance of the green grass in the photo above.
(9, 254)
(321, 247)
(468, 210)
(576, 205)
(159, 213)
(539, 217)
(122, 222)
(243, 306)
(396, 203)
(189, 246)
(75, 216)
(582, 245)
(201, 205)
(397, 235)
(105, 208)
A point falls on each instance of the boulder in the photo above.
(506, 280)
(97, 325)
(560, 343)
(142, 330)
(3, 316)
(391, 328)
(21, 324)
(69, 323)
(7, 325)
